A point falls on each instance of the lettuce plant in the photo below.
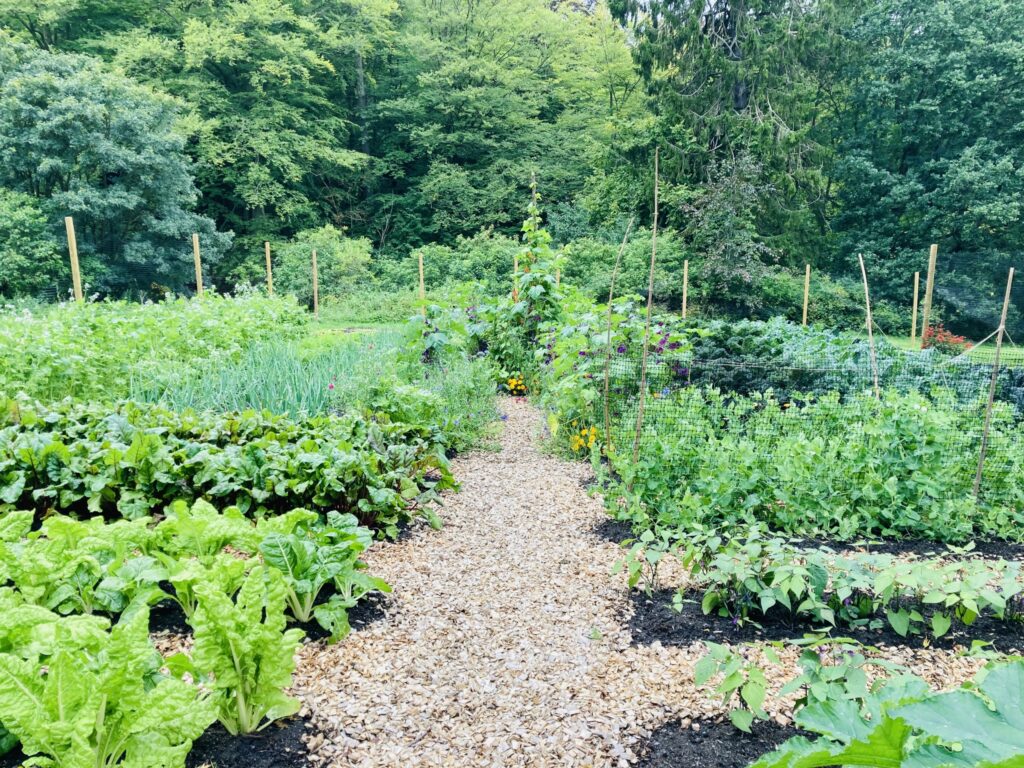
(243, 652)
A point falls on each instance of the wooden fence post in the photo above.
(992, 387)
(807, 289)
(686, 283)
(928, 288)
(423, 289)
(76, 275)
(316, 289)
(647, 324)
(270, 269)
(199, 264)
(871, 330)
(913, 315)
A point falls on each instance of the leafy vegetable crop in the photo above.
(135, 459)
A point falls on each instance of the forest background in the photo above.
(790, 132)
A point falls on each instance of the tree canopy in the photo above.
(790, 131)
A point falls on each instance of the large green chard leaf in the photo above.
(243, 651)
(223, 572)
(202, 530)
(978, 733)
(95, 708)
(311, 557)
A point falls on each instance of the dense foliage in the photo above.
(132, 460)
(791, 133)
(105, 349)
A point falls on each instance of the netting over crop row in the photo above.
(928, 409)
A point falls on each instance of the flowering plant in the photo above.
(937, 337)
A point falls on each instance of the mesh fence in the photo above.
(820, 408)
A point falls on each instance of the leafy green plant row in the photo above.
(134, 459)
(92, 566)
(822, 466)
(101, 350)
(897, 721)
(239, 583)
(750, 579)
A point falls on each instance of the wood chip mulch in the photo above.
(504, 642)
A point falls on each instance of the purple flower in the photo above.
(331, 385)
(622, 349)
(583, 353)
(675, 345)
(504, 417)
(665, 392)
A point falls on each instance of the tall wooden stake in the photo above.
(647, 325)
(199, 264)
(76, 275)
(992, 387)
(807, 289)
(270, 269)
(608, 350)
(423, 288)
(913, 315)
(316, 288)
(929, 286)
(871, 329)
(686, 283)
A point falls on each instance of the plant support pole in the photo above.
(807, 289)
(608, 350)
(199, 264)
(316, 289)
(992, 387)
(647, 324)
(871, 331)
(913, 315)
(929, 286)
(270, 269)
(76, 275)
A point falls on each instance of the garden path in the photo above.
(505, 643)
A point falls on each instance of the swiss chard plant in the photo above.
(82, 707)
(313, 556)
(244, 653)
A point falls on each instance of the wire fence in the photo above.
(929, 408)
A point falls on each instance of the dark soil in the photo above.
(371, 608)
(12, 759)
(994, 548)
(615, 531)
(279, 745)
(654, 619)
(715, 745)
(167, 616)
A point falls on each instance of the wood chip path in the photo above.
(505, 642)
